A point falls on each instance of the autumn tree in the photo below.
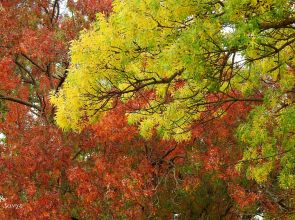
(197, 59)
(48, 174)
(34, 39)
(170, 69)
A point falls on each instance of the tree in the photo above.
(108, 170)
(154, 178)
(195, 57)
(35, 154)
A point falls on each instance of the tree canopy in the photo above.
(190, 61)
(168, 109)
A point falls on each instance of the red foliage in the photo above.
(242, 197)
(6, 75)
(113, 127)
(36, 155)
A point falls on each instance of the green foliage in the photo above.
(3, 110)
(269, 136)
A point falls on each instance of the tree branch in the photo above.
(276, 25)
(19, 101)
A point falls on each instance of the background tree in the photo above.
(34, 38)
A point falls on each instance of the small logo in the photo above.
(6, 205)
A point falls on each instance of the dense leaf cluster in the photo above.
(183, 108)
